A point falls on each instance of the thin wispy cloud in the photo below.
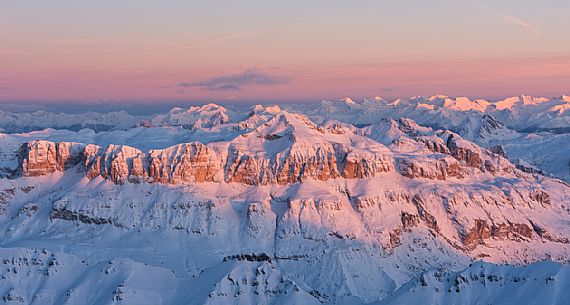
(5, 88)
(50, 47)
(516, 21)
(510, 18)
(207, 42)
(236, 82)
(223, 3)
(41, 51)
(15, 52)
(75, 41)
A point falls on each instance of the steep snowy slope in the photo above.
(539, 283)
(550, 153)
(246, 243)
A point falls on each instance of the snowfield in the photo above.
(430, 200)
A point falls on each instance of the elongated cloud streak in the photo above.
(75, 41)
(236, 82)
(510, 18)
(208, 42)
(516, 21)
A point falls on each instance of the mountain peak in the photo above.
(379, 99)
(262, 109)
(437, 97)
(518, 101)
(204, 116)
(207, 108)
(348, 101)
(287, 122)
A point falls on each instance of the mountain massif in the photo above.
(434, 200)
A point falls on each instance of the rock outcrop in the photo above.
(430, 168)
(483, 231)
(117, 163)
(40, 157)
(189, 162)
(475, 156)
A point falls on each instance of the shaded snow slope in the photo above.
(539, 283)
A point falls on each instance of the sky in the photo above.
(279, 51)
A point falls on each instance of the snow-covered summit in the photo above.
(208, 115)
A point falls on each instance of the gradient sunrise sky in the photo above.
(229, 50)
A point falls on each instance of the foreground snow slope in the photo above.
(244, 244)
(539, 283)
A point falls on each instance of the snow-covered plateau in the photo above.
(428, 200)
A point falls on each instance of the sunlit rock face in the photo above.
(39, 158)
(184, 163)
(288, 156)
(190, 162)
(287, 148)
(318, 163)
(195, 162)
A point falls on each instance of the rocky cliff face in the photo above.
(287, 156)
(196, 162)
(39, 158)
(422, 152)
(477, 157)
(440, 168)
(117, 163)
(189, 162)
(449, 214)
(184, 163)
(321, 163)
(287, 148)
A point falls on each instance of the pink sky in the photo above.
(295, 51)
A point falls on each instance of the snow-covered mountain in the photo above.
(194, 117)
(534, 130)
(520, 113)
(288, 205)
(29, 121)
(524, 126)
